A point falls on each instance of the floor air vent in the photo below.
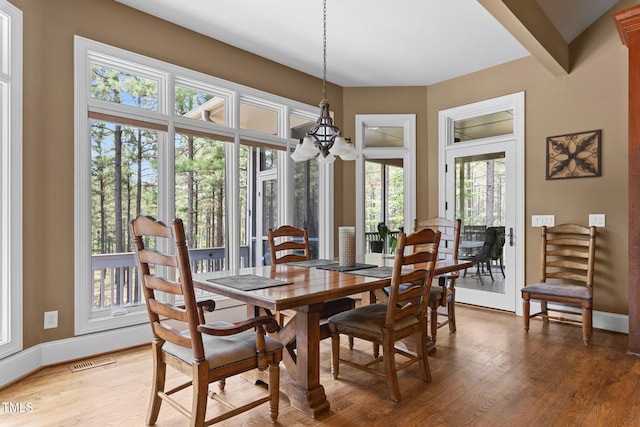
(88, 364)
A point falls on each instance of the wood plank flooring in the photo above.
(488, 373)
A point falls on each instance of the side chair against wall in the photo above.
(291, 244)
(443, 295)
(206, 352)
(568, 256)
(402, 316)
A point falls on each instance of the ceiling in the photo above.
(399, 43)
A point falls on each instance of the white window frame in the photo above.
(11, 180)
(408, 155)
(87, 51)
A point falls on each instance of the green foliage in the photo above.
(390, 240)
(383, 230)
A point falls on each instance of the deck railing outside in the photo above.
(116, 283)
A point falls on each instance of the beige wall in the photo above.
(593, 96)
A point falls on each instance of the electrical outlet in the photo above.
(540, 220)
(50, 319)
(596, 220)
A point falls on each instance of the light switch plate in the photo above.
(596, 220)
(540, 220)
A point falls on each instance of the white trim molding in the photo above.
(601, 319)
(14, 367)
(513, 145)
(11, 266)
(408, 155)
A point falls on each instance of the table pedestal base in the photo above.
(312, 402)
(301, 359)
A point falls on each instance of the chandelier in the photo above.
(324, 140)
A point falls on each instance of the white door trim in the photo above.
(446, 120)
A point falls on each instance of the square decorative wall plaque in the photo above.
(575, 155)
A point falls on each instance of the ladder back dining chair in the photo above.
(567, 268)
(402, 316)
(204, 352)
(444, 294)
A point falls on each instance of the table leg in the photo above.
(304, 390)
(301, 358)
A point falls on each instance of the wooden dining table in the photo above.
(270, 289)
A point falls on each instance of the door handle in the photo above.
(510, 236)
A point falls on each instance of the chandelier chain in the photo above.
(323, 140)
(324, 51)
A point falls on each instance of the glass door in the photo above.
(267, 215)
(384, 204)
(267, 202)
(481, 194)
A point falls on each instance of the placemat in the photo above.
(381, 272)
(345, 268)
(313, 263)
(248, 282)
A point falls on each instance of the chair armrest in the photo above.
(205, 305)
(208, 305)
(263, 322)
(260, 324)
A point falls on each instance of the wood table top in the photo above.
(306, 285)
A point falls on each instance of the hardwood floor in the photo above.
(488, 373)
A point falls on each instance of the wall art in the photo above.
(575, 155)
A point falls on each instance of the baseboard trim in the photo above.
(611, 322)
(601, 320)
(27, 361)
(21, 364)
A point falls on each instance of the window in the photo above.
(307, 185)
(153, 138)
(124, 181)
(200, 102)
(200, 197)
(385, 176)
(10, 179)
(384, 194)
(124, 87)
(485, 126)
(257, 117)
